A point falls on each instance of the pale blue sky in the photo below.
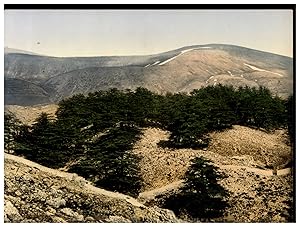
(124, 32)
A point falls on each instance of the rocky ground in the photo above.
(34, 193)
(162, 166)
(271, 149)
(253, 197)
(256, 195)
(257, 198)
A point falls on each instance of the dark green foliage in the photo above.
(290, 106)
(143, 105)
(257, 107)
(47, 142)
(11, 130)
(121, 174)
(109, 163)
(189, 118)
(187, 123)
(219, 103)
(201, 197)
(96, 132)
(219, 107)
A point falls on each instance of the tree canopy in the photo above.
(94, 134)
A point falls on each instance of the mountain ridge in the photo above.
(179, 70)
(9, 50)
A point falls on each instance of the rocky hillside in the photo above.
(256, 195)
(162, 166)
(25, 92)
(34, 193)
(180, 70)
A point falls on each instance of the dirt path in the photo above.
(153, 193)
(74, 177)
(149, 195)
(144, 195)
(256, 170)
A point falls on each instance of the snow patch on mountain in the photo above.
(262, 70)
(155, 63)
(182, 52)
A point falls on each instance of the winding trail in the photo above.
(144, 195)
(158, 191)
(257, 171)
(149, 195)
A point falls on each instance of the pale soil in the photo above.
(34, 193)
(269, 148)
(28, 114)
(162, 166)
(159, 166)
(75, 178)
(150, 195)
(256, 170)
(256, 195)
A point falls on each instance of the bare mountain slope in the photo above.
(8, 50)
(189, 69)
(19, 91)
(93, 79)
(183, 69)
(22, 64)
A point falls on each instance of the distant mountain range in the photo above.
(8, 50)
(34, 79)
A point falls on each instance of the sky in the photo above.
(139, 32)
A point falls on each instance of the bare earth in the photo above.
(256, 194)
(28, 114)
(162, 166)
(34, 193)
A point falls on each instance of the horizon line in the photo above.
(30, 52)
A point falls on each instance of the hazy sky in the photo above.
(124, 32)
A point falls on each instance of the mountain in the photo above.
(180, 70)
(8, 50)
(25, 92)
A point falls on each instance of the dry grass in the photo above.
(28, 114)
